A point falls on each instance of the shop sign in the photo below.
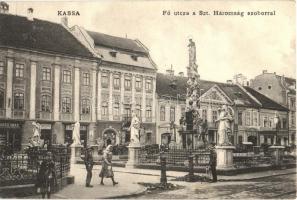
(46, 126)
(9, 125)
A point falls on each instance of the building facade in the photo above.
(282, 90)
(253, 112)
(126, 83)
(40, 81)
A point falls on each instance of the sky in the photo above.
(226, 45)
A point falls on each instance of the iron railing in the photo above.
(22, 167)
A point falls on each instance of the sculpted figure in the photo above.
(76, 134)
(134, 129)
(225, 129)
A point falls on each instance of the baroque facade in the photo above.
(39, 81)
(254, 113)
(126, 83)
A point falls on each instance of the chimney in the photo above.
(64, 21)
(4, 7)
(181, 74)
(229, 82)
(264, 71)
(30, 14)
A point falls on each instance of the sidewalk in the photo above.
(128, 179)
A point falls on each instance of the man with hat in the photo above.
(213, 162)
(89, 165)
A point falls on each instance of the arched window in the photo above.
(85, 106)
(45, 103)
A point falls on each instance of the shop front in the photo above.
(46, 134)
(11, 135)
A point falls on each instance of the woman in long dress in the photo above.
(106, 170)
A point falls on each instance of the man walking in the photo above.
(89, 165)
(213, 162)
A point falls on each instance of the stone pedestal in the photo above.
(225, 157)
(278, 153)
(133, 155)
(75, 153)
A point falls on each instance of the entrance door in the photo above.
(109, 137)
(46, 135)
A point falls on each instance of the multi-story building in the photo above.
(253, 112)
(46, 76)
(282, 90)
(126, 83)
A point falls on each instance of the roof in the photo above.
(234, 92)
(265, 101)
(39, 35)
(110, 41)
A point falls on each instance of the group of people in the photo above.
(106, 170)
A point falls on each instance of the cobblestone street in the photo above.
(280, 187)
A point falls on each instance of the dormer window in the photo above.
(134, 57)
(113, 53)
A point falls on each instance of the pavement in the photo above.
(128, 179)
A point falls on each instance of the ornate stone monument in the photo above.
(194, 124)
(225, 148)
(134, 145)
(76, 145)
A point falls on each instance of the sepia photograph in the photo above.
(148, 99)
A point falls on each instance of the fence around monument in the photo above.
(178, 157)
(22, 167)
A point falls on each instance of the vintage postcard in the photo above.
(148, 99)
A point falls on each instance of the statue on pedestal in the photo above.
(134, 129)
(35, 140)
(76, 134)
(225, 120)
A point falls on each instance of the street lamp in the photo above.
(276, 122)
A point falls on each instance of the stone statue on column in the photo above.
(76, 134)
(35, 140)
(134, 129)
(225, 120)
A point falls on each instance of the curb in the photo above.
(134, 194)
(247, 179)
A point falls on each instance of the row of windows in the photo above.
(127, 110)
(127, 82)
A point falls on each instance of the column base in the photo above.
(225, 157)
(133, 155)
(75, 153)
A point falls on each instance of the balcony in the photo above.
(2, 113)
(85, 117)
(18, 114)
(66, 117)
(44, 115)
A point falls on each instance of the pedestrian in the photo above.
(89, 165)
(46, 179)
(213, 162)
(106, 170)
